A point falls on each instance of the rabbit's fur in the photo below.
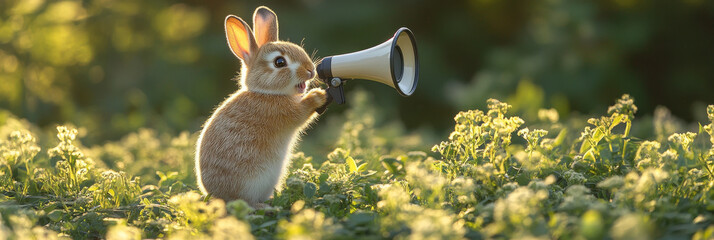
(244, 148)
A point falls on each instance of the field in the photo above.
(496, 176)
(603, 127)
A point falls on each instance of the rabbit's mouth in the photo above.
(301, 87)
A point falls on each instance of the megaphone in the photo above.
(393, 63)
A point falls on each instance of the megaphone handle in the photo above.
(335, 93)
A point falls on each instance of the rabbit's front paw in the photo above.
(315, 98)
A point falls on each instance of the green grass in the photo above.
(496, 176)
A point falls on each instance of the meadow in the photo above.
(101, 103)
(496, 176)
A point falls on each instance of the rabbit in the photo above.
(245, 146)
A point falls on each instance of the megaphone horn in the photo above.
(393, 63)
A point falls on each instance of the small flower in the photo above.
(625, 106)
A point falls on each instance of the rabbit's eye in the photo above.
(280, 62)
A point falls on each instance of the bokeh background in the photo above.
(114, 67)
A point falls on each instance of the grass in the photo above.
(496, 176)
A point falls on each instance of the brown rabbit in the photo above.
(244, 147)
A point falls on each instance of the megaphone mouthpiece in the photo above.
(324, 68)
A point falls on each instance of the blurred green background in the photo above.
(113, 67)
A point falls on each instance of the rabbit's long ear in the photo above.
(240, 38)
(265, 24)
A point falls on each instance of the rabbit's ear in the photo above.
(240, 38)
(265, 24)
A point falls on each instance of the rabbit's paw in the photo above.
(315, 98)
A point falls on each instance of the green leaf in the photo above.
(55, 215)
(561, 137)
(324, 188)
(523, 179)
(590, 156)
(391, 165)
(360, 218)
(616, 121)
(268, 224)
(585, 146)
(351, 164)
(309, 190)
(323, 177)
(598, 135)
(362, 167)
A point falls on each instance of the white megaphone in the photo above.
(393, 63)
